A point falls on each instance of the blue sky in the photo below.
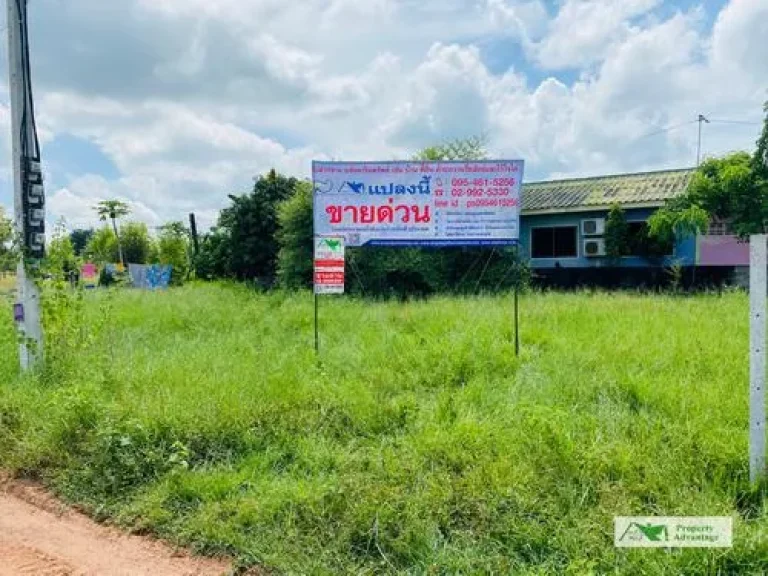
(173, 105)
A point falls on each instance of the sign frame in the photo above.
(444, 215)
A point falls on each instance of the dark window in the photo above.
(639, 243)
(560, 242)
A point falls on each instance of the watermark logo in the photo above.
(673, 532)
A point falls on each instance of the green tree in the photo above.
(251, 225)
(215, 257)
(60, 260)
(112, 210)
(102, 247)
(472, 148)
(616, 233)
(727, 188)
(79, 238)
(173, 249)
(295, 237)
(136, 242)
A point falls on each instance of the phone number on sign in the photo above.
(477, 182)
(480, 192)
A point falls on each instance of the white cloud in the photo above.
(525, 20)
(584, 31)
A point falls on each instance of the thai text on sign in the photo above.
(419, 203)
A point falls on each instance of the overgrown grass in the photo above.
(418, 445)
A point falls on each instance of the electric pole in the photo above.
(29, 195)
(698, 148)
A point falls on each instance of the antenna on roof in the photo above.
(701, 119)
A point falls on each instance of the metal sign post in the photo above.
(758, 292)
(517, 309)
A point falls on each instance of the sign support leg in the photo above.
(517, 309)
(757, 304)
(317, 335)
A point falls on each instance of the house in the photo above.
(563, 225)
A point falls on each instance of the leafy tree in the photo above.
(295, 237)
(112, 210)
(173, 249)
(136, 242)
(102, 247)
(616, 233)
(60, 259)
(473, 148)
(79, 238)
(251, 226)
(725, 188)
(215, 256)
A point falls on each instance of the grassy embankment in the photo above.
(419, 445)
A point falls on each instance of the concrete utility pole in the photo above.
(758, 288)
(29, 195)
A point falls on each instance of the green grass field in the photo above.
(418, 445)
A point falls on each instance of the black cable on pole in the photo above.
(741, 122)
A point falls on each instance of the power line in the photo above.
(667, 129)
(742, 122)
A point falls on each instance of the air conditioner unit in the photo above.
(594, 248)
(593, 227)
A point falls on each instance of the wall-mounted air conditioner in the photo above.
(593, 227)
(594, 248)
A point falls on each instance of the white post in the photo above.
(758, 292)
(28, 293)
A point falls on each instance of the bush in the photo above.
(295, 237)
(173, 249)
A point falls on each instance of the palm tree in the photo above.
(113, 209)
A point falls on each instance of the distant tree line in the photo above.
(129, 243)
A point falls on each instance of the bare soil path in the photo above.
(40, 536)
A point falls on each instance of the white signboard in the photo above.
(329, 265)
(472, 203)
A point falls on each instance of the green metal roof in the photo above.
(641, 189)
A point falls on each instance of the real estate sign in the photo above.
(329, 265)
(466, 203)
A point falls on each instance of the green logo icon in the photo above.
(650, 532)
(332, 244)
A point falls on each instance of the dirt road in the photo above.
(41, 537)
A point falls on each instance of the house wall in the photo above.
(684, 251)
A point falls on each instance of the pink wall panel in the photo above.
(722, 251)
